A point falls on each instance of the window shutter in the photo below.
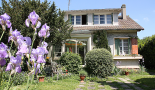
(93, 18)
(112, 18)
(117, 41)
(69, 17)
(129, 45)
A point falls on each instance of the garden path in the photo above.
(120, 83)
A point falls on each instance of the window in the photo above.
(78, 20)
(96, 19)
(109, 19)
(102, 19)
(57, 51)
(124, 47)
(84, 19)
(72, 20)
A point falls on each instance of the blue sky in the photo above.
(142, 11)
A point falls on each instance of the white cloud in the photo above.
(135, 20)
(146, 19)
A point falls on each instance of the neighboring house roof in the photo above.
(123, 24)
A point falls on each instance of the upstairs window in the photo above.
(72, 20)
(96, 19)
(109, 19)
(78, 20)
(99, 19)
(102, 19)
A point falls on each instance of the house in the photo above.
(121, 34)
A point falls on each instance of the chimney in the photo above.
(123, 11)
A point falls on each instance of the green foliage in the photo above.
(93, 79)
(19, 79)
(147, 50)
(116, 70)
(100, 40)
(82, 73)
(19, 11)
(99, 62)
(71, 61)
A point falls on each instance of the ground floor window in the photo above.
(122, 46)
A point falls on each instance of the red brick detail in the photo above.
(135, 49)
(133, 41)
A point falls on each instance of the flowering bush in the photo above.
(36, 56)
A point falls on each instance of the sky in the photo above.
(142, 11)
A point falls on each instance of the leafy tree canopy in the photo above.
(19, 11)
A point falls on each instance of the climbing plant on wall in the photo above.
(100, 40)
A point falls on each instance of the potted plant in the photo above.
(82, 74)
(41, 75)
(127, 71)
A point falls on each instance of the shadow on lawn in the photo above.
(146, 82)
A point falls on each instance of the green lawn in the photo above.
(69, 83)
(144, 81)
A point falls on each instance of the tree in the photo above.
(19, 11)
(100, 40)
(147, 50)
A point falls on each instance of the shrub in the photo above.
(71, 61)
(147, 50)
(82, 73)
(99, 62)
(93, 79)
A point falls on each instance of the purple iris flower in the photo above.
(3, 51)
(44, 32)
(40, 51)
(24, 44)
(4, 20)
(45, 47)
(2, 62)
(41, 59)
(14, 35)
(33, 17)
(14, 64)
(33, 55)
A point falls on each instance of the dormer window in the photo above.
(103, 19)
(99, 19)
(96, 19)
(78, 20)
(109, 19)
(72, 20)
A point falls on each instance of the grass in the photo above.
(69, 83)
(142, 80)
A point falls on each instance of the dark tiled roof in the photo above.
(123, 24)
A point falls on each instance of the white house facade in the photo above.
(121, 33)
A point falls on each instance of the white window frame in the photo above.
(105, 19)
(123, 53)
(108, 20)
(80, 20)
